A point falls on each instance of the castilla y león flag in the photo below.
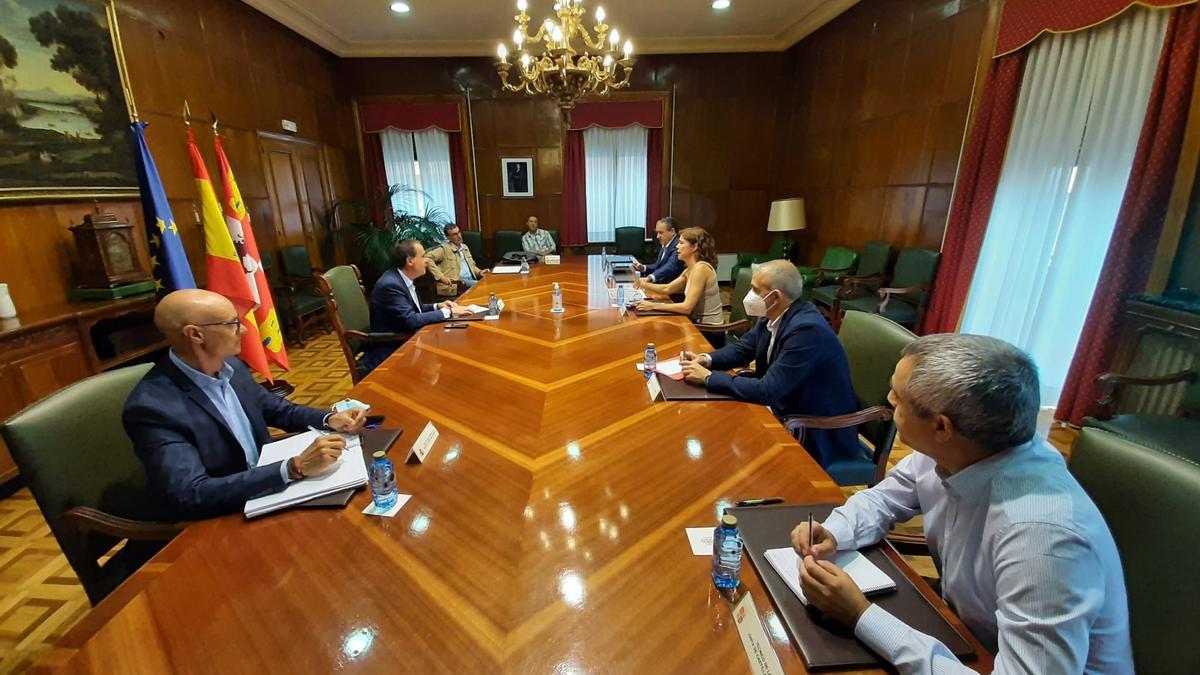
(238, 222)
(222, 264)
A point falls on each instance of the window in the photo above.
(615, 180)
(420, 162)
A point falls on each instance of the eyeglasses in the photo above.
(232, 323)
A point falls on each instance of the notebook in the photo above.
(869, 578)
(350, 470)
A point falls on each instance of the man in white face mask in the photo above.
(800, 366)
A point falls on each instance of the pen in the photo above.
(760, 501)
(322, 432)
(810, 528)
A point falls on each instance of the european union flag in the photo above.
(168, 260)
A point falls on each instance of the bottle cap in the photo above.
(649, 344)
(729, 520)
(379, 454)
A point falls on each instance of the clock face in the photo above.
(118, 253)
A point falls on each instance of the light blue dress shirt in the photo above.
(225, 400)
(1027, 563)
(464, 270)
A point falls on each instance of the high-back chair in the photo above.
(347, 304)
(873, 345)
(474, 241)
(630, 240)
(506, 241)
(874, 264)
(90, 486)
(905, 299)
(1150, 499)
(838, 260)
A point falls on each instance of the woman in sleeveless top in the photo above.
(701, 295)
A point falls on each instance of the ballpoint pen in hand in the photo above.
(810, 532)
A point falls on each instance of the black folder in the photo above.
(679, 390)
(650, 312)
(373, 440)
(824, 643)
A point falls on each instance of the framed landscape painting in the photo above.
(63, 112)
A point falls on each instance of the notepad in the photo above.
(350, 470)
(672, 368)
(506, 269)
(869, 578)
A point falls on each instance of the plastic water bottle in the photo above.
(649, 361)
(558, 305)
(524, 266)
(604, 256)
(493, 305)
(620, 296)
(383, 481)
(727, 553)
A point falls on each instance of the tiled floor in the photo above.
(40, 597)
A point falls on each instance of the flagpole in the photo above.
(114, 31)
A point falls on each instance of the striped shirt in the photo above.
(537, 242)
(1027, 563)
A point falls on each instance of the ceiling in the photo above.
(351, 28)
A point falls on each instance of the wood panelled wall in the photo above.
(726, 127)
(878, 104)
(220, 55)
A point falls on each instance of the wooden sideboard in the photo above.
(42, 351)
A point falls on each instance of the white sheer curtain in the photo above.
(400, 167)
(615, 180)
(433, 158)
(1080, 112)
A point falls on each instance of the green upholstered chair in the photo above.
(1169, 433)
(297, 299)
(474, 241)
(90, 486)
(838, 260)
(905, 300)
(874, 264)
(506, 241)
(873, 345)
(554, 236)
(631, 240)
(1150, 499)
(775, 252)
(343, 292)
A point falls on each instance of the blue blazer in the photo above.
(393, 311)
(192, 459)
(808, 374)
(668, 266)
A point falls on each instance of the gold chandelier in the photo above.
(560, 70)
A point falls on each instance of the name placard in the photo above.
(763, 659)
(422, 445)
(656, 393)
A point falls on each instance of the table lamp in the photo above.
(787, 215)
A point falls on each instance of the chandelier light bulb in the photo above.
(525, 60)
(599, 15)
(522, 5)
(557, 35)
(613, 38)
(547, 25)
(518, 38)
(502, 52)
(608, 60)
(628, 49)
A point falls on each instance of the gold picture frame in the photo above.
(59, 139)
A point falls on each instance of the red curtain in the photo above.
(617, 115)
(1024, 20)
(409, 117)
(458, 176)
(974, 194)
(377, 184)
(654, 169)
(574, 216)
(1143, 210)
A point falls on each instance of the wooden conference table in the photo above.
(545, 532)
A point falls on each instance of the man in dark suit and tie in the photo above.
(667, 266)
(395, 306)
(800, 366)
(198, 420)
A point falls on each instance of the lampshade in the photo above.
(787, 215)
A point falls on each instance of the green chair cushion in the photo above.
(897, 310)
(1167, 433)
(296, 262)
(308, 302)
(506, 241)
(876, 259)
(839, 258)
(474, 241)
(352, 305)
(825, 295)
(741, 286)
(1151, 502)
(916, 267)
(630, 240)
(856, 471)
(554, 236)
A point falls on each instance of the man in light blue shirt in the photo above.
(1026, 560)
(198, 418)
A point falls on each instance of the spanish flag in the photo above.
(224, 269)
(238, 222)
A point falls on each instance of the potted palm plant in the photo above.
(371, 228)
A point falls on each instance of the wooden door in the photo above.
(300, 192)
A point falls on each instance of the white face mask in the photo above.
(755, 304)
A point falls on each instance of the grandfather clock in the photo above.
(108, 260)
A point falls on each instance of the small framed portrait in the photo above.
(517, 174)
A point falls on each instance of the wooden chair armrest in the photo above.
(378, 337)
(85, 518)
(878, 413)
(851, 286)
(1111, 383)
(884, 292)
(908, 544)
(721, 328)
